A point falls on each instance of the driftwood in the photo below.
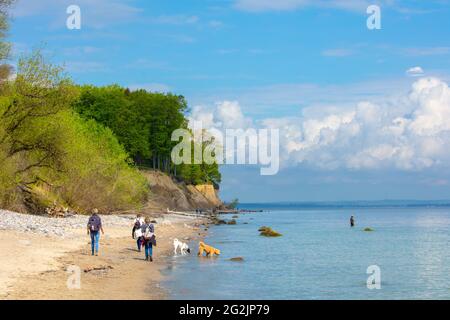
(59, 211)
(101, 268)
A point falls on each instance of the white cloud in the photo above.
(415, 71)
(76, 51)
(426, 51)
(263, 101)
(175, 19)
(216, 24)
(96, 14)
(224, 115)
(85, 67)
(410, 131)
(287, 5)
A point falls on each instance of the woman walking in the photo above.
(94, 227)
(148, 232)
(137, 230)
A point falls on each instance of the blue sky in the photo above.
(286, 63)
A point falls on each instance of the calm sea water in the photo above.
(320, 257)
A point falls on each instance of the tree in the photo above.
(49, 153)
(5, 69)
(111, 106)
(233, 204)
(143, 123)
(39, 92)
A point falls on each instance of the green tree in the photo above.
(39, 92)
(5, 68)
(49, 153)
(143, 123)
(112, 107)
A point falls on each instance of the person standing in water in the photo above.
(148, 233)
(94, 227)
(352, 221)
(137, 231)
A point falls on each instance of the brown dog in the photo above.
(210, 251)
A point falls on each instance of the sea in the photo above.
(319, 256)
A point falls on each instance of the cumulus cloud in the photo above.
(224, 115)
(408, 132)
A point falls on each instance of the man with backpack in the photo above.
(137, 231)
(94, 227)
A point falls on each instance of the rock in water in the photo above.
(268, 232)
(237, 259)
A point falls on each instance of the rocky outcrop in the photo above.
(165, 193)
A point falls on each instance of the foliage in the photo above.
(143, 123)
(5, 69)
(44, 144)
(233, 204)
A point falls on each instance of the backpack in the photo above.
(137, 226)
(94, 223)
(149, 235)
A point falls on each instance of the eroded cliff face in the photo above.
(208, 191)
(165, 193)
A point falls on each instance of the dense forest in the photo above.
(81, 146)
(143, 122)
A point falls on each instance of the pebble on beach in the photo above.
(58, 227)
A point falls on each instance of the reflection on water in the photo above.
(320, 257)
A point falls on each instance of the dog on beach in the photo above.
(210, 251)
(184, 248)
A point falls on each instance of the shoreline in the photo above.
(37, 267)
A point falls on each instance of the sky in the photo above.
(363, 114)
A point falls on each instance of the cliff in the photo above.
(165, 193)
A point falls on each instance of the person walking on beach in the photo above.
(352, 221)
(94, 227)
(148, 233)
(137, 231)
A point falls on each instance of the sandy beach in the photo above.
(38, 264)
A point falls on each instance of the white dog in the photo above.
(184, 248)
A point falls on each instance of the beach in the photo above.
(40, 254)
